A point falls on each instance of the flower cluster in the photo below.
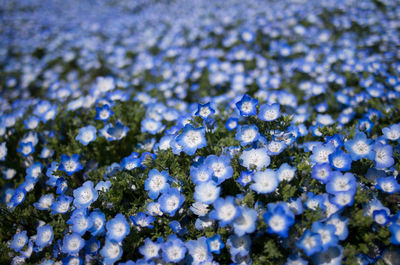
(200, 132)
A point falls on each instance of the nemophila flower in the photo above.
(221, 166)
(114, 133)
(245, 178)
(295, 205)
(225, 211)
(19, 241)
(46, 153)
(239, 244)
(286, 172)
(360, 147)
(387, 184)
(383, 155)
(25, 149)
(340, 224)
(321, 172)
(86, 135)
(156, 183)
(62, 185)
(177, 228)
(255, 159)
(215, 244)
(44, 202)
(150, 249)
(395, 234)
(9, 173)
(111, 252)
(294, 260)
(117, 228)
(231, 124)
(265, 181)
(269, 112)
(245, 221)
(103, 113)
(191, 139)
(332, 255)
(206, 192)
(131, 162)
(343, 198)
(151, 126)
(201, 173)
(339, 183)
(92, 246)
(336, 139)
(275, 147)
(310, 242)
(70, 164)
(392, 132)
(35, 170)
(247, 134)
(61, 205)
(44, 236)
(49, 173)
(173, 250)
(85, 195)
(247, 106)
(17, 198)
(321, 152)
(97, 219)
(143, 220)
(31, 122)
(198, 250)
(80, 221)
(72, 244)
(340, 160)
(171, 201)
(365, 125)
(279, 218)
(327, 234)
(205, 110)
(315, 201)
(103, 186)
(3, 151)
(380, 217)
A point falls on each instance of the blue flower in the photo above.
(31, 122)
(247, 106)
(25, 149)
(103, 113)
(151, 126)
(191, 139)
(383, 155)
(343, 198)
(265, 181)
(111, 252)
(17, 198)
(98, 219)
(201, 173)
(44, 202)
(117, 228)
(206, 192)
(310, 242)
(395, 232)
(225, 211)
(115, 133)
(19, 241)
(198, 251)
(245, 222)
(232, 124)
(239, 244)
(61, 205)
(156, 183)
(392, 132)
(387, 184)
(360, 147)
(92, 246)
(340, 224)
(85, 195)
(80, 221)
(3, 151)
(247, 134)
(171, 201)
(44, 236)
(205, 110)
(215, 244)
(245, 178)
(52, 181)
(279, 218)
(380, 217)
(327, 233)
(340, 160)
(286, 172)
(339, 182)
(221, 167)
(72, 244)
(269, 112)
(321, 172)
(70, 165)
(86, 135)
(131, 162)
(150, 249)
(173, 250)
(143, 220)
(321, 152)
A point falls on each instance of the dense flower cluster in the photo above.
(200, 132)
